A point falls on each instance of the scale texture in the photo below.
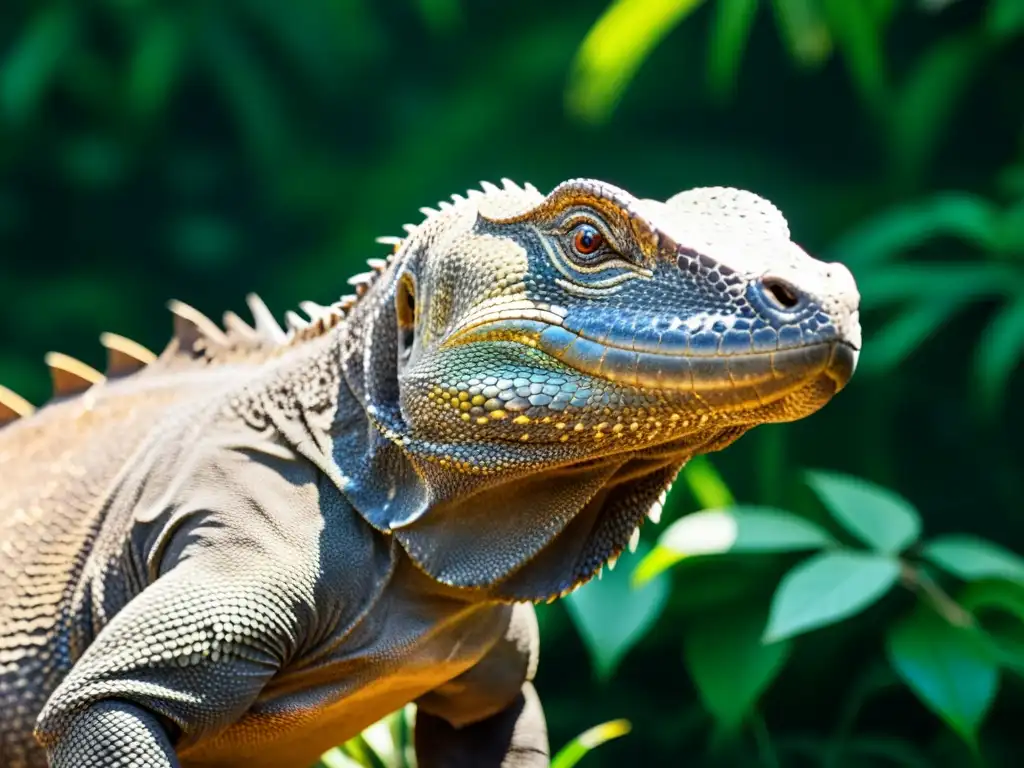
(248, 548)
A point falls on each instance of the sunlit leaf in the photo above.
(804, 31)
(736, 529)
(612, 616)
(895, 231)
(950, 668)
(730, 30)
(729, 663)
(925, 101)
(155, 66)
(336, 758)
(899, 338)
(999, 350)
(859, 39)
(827, 588)
(614, 49)
(880, 518)
(706, 484)
(590, 739)
(972, 558)
(28, 69)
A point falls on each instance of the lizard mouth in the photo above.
(758, 376)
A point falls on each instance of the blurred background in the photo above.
(152, 149)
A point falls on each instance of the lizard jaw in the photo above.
(754, 377)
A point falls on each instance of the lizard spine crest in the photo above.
(198, 339)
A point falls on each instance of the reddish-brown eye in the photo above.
(587, 240)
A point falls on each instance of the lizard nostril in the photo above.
(781, 293)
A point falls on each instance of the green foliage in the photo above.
(950, 668)
(730, 664)
(611, 616)
(828, 588)
(879, 518)
(589, 740)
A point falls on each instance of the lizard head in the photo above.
(589, 342)
(603, 323)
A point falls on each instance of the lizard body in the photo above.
(251, 547)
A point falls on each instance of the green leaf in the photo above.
(999, 350)
(706, 484)
(902, 336)
(897, 230)
(999, 606)
(736, 529)
(590, 739)
(827, 588)
(1005, 18)
(34, 60)
(729, 663)
(860, 41)
(923, 107)
(155, 67)
(880, 518)
(949, 668)
(972, 558)
(803, 30)
(614, 49)
(730, 30)
(442, 16)
(932, 282)
(611, 616)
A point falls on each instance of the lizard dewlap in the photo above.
(246, 549)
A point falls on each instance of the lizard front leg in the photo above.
(490, 716)
(182, 661)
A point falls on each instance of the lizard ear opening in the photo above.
(405, 310)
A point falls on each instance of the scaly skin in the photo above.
(264, 540)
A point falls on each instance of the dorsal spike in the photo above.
(390, 240)
(409, 228)
(530, 188)
(294, 321)
(510, 185)
(191, 326)
(236, 326)
(488, 187)
(70, 376)
(13, 406)
(458, 199)
(444, 205)
(427, 212)
(474, 194)
(124, 356)
(266, 325)
(346, 302)
(362, 282)
(377, 265)
(313, 309)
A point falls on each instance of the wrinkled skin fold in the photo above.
(253, 546)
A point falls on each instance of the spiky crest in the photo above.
(13, 406)
(198, 338)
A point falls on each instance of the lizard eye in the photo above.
(586, 240)
(405, 303)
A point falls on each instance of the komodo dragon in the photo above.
(249, 548)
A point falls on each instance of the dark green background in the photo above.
(200, 150)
